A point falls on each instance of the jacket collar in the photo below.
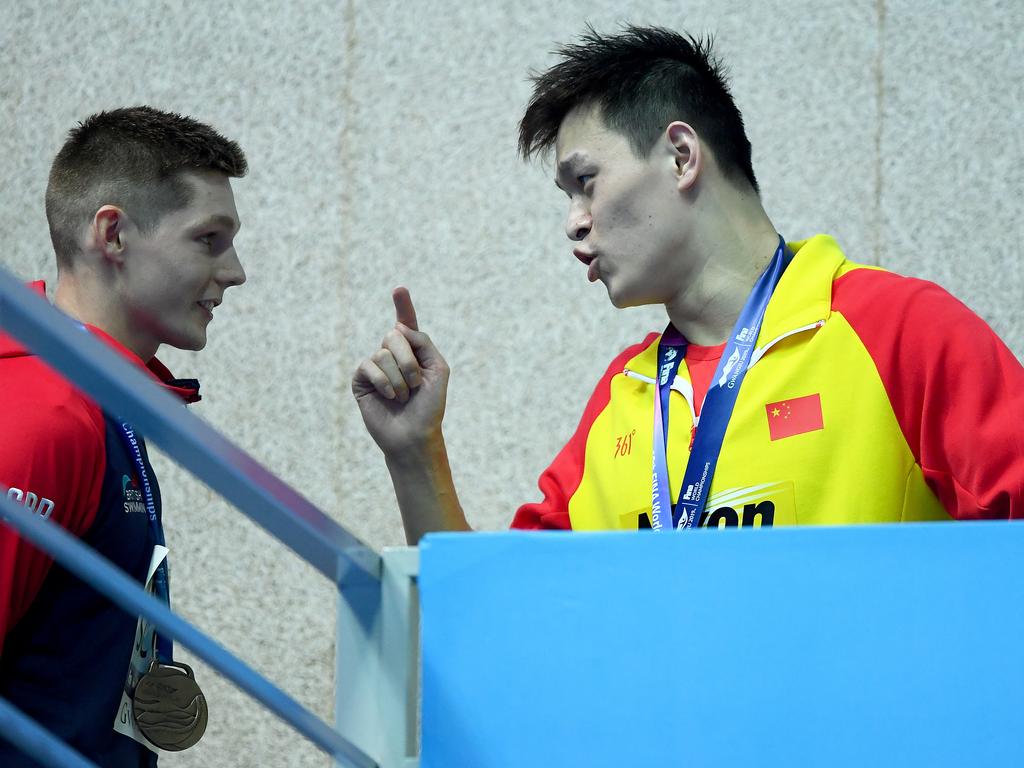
(804, 294)
(186, 389)
(802, 297)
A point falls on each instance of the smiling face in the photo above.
(627, 215)
(172, 277)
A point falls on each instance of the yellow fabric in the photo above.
(857, 469)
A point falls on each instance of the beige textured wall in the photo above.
(381, 137)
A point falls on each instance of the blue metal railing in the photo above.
(36, 741)
(124, 391)
(89, 566)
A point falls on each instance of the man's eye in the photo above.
(584, 178)
(207, 239)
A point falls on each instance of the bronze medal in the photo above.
(170, 709)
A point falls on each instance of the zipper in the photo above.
(685, 388)
(680, 385)
(760, 351)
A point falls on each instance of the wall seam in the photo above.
(346, 159)
(346, 165)
(879, 75)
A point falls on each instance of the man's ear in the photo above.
(687, 155)
(107, 232)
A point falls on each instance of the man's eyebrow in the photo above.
(567, 164)
(219, 220)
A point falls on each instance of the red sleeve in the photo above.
(52, 461)
(956, 389)
(560, 480)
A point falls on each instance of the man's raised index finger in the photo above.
(405, 312)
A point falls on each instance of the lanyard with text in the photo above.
(161, 587)
(717, 408)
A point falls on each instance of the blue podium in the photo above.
(864, 646)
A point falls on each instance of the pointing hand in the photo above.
(401, 388)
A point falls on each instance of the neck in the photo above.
(87, 303)
(731, 254)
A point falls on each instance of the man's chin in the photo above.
(625, 300)
(188, 343)
(614, 296)
(620, 299)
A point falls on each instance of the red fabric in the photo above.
(701, 362)
(52, 446)
(188, 392)
(794, 416)
(560, 480)
(956, 389)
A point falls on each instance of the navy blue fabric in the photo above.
(65, 662)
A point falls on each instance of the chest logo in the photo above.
(757, 506)
(624, 444)
(39, 505)
(132, 495)
(795, 416)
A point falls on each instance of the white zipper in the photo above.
(760, 351)
(679, 384)
(685, 388)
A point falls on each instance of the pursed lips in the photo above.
(590, 260)
(583, 256)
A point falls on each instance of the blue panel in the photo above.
(873, 645)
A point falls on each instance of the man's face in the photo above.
(175, 275)
(625, 213)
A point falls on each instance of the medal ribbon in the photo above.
(716, 411)
(161, 585)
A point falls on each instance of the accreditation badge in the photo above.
(162, 706)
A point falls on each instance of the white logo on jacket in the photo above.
(731, 369)
(39, 505)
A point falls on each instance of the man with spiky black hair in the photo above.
(791, 385)
(142, 218)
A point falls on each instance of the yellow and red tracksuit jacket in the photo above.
(871, 397)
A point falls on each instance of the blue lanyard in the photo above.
(161, 585)
(717, 409)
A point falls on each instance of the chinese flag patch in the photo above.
(794, 416)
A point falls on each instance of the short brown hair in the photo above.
(132, 158)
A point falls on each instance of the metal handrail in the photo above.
(122, 389)
(99, 572)
(37, 742)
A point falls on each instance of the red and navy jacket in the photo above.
(64, 647)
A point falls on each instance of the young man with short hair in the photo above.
(791, 386)
(142, 218)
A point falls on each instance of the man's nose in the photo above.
(579, 222)
(231, 272)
